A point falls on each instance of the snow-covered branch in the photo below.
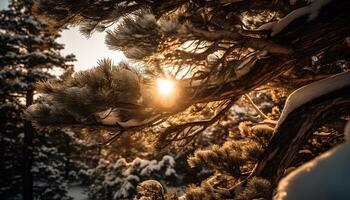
(312, 10)
(307, 109)
(309, 92)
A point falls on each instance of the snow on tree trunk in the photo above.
(312, 10)
(312, 91)
(325, 177)
(299, 124)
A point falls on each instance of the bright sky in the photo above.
(3, 4)
(87, 50)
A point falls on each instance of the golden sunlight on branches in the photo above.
(216, 99)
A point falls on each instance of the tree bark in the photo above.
(28, 153)
(296, 129)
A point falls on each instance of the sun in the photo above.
(165, 87)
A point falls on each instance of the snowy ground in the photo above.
(77, 192)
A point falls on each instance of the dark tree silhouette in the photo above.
(27, 53)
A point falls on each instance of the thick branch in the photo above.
(305, 41)
(296, 129)
(256, 43)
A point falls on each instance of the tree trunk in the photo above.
(296, 129)
(28, 153)
(67, 154)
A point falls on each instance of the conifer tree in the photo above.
(28, 54)
(207, 55)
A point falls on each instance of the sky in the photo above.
(87, 50)
(3, 4)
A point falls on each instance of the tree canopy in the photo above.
(213, 53)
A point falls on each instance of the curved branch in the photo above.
(305, 42)
(257, 109)
(296, 129)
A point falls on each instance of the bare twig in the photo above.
(262, 114)
(178, 129)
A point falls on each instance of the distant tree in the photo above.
(119, 179)
(190, 62)
(28, 55)
(49, 164)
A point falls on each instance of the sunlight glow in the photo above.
(165, 87)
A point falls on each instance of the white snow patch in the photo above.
(77, 192)
(312, 91)
(70, 133)
(325, 177)
(312, 10)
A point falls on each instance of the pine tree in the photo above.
(28, 53)
(207, 55)
(119, 179)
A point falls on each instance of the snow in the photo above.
(31, 21)
(312, 10)
(312, 91)
(123, 191)
(77, 192)
(325, 177)
(152, 166)
(120, 163)
(123, 177)
(70, 133)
